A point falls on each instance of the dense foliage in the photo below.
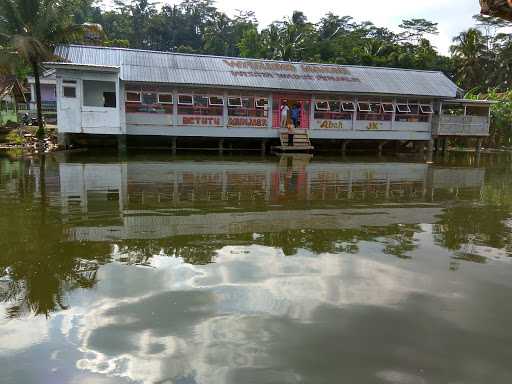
(481, 57)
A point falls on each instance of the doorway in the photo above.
(299, 101)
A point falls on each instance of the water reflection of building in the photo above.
(152, 199)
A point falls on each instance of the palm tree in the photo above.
(470, 54)
(30, 29)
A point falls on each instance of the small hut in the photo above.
(497, 8)
(11, 93)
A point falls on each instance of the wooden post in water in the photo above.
(344, 146)
(173, 145)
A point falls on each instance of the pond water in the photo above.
(150, 268)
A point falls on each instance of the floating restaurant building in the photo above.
(124, 95)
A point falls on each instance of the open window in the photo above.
(334, 106)
(149, 98)
(364, 107)
(426, 109)
(133, 97)
(247, 106)
(216, 101)
(403, 108)
(322, 105)
(165, 98)
(200, 101)
(235, 102)
(185, 100)
(348, 106)
(388, 107)
(99, 93)
(262, 102)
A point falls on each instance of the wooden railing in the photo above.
(461, 125)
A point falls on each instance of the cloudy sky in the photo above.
(453, 16)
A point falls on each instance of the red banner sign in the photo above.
(201, 120)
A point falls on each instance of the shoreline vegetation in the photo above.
(479, 59)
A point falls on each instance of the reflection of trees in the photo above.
(40, 266)
(201, 249)
(479, 225)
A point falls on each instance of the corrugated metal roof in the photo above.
(186, 69)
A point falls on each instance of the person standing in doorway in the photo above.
(290, 135)
(295, 115)
(284, 114)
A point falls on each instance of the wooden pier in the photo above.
(301, 142)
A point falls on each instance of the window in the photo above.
(133, 97)
(334, 106)
(185, 100)
(216, 101)
(426, 109)
(332, 110)
(69, 81)
(149, 98)
(322, 105)
(234, 101)
(246, 106)
(69, 92)
(403, 108)
(200, 105)
(99, 93)
(201, 101)
(109, 99)
(262, 102)
(348, 106)
(388, 107)
(364, 107)
(165, 98)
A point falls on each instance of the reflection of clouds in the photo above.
(19, 334)
(207, 324)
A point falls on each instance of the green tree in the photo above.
(416, 29)
(470, 57)
(31, 28)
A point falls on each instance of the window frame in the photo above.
(73, 87)
(256, 99)
(342, 104)
(431, 109)
(401, 105)
(133, 101)
(149, 93)
(369, 110)
(191, 104)
(230, 105)
(165, 94)
(328, 109)
(210, 104)
(391, 110)
(207, 98)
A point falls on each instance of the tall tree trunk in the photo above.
(40, 131)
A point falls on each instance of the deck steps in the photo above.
(301, 142)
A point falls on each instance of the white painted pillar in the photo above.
(225, 110)
(270, 111)
(174, 119)
(393, 116)
(354, 115)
